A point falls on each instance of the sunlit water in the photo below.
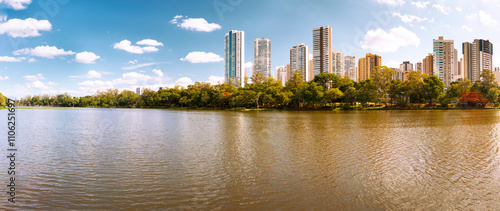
(110, 159)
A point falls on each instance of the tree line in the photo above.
(3, 100)
(326, 90)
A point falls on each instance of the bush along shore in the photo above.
(325, 92)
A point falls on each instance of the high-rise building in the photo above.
(288, 72)
(311, 68)
(445, 60)
(299, 60)
(234, 57)
(406, 66)
(398, 74)
(366, 64)
(262, 56)
(460, 70)
(350, 67)
(138, 91)
(322, 50)
(338, 63)
(418, 67)
(477, 56)
(281, 74)
(428, 64)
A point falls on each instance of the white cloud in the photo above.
(149, 42)
(37, 77)
(440, 8)
(44, 51)
(127, 46)
(215, 79)
(31, 60)
(16, 4)
(459, 9)
(24, 28)
(420, 4)
(132, 62)
(3, 18)
(176, 19)
(380, 41)
(138, 66)
(466, 28)
(408, 18)
(202, 57)
(184, 81)
(90, 74)
(158, 72)
(249, 65)
(486, 19)
(37, 85)
(86, 57)
(11, 59)
(93, 74)
(392, 2)
(195, 24)
(3, 78)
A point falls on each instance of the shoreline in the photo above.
(355, 108)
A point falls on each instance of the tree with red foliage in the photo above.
(474, 99)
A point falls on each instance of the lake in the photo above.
(108, 159)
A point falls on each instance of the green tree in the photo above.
(332, 95)
(432, 88)
(487, 82)
(367, 91)
(413, 87)
(295, 81)
(381, 77)
(459, 88)
(327, 80)
(3, 100)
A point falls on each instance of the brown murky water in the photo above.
(107, 159)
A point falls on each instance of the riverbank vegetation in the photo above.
(325, 91)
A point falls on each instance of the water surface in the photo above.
(166, 159)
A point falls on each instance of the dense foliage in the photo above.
(3, 100)
(325, 90)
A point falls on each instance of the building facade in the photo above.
(406, 66)
(338, 63)
(234, 57)
(281, 74)
(418, 67)
(428, 65)
(445, 60)
(351, 70)
(299, 60)
(322, 50)
(366, 64)
(262, 56)
(477, 56)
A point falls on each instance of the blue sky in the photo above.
(80, 46)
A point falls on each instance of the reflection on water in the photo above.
(160, 159)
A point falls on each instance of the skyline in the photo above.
(179, 42)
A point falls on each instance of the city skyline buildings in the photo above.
(200, 48)
(234, 57)
(338, 63)
(445, 60)
(366, 64)
(299, 60)
(477, 56)
(262, 56)
(322, 50)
